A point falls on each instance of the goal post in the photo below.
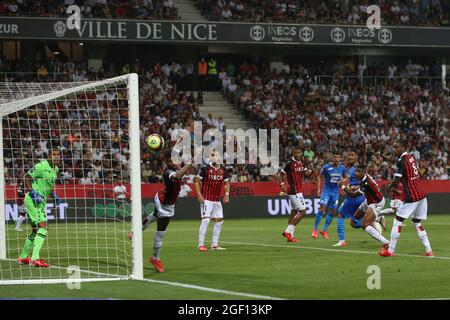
(96, 127)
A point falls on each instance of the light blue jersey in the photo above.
(332, 176)
(330, 191)
(351, 204)
(353, 180)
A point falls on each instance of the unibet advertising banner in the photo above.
(189, 208)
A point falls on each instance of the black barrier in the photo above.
(189, 208)
(115, 30)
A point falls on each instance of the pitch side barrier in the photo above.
(248, 200)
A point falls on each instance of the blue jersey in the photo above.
(351, 204)
(332, 176)
(353, 180)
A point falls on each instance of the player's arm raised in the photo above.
(180, 173)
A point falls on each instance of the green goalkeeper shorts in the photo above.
(36, 213)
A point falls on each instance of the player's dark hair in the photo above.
(54, 150)
(297, 148)
(361, 167)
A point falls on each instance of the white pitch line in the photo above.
(195, 287)
(121, 277)
(174, 284)
(331, 250)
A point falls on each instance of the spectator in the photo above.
(202, 74)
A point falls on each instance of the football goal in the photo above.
(74, 149)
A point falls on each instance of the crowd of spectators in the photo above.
(393, 12)
(92, 129)
(341, 112)
(322, 115)
(117, 9)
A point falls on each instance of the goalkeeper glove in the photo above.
(37, 198)
(56, 198)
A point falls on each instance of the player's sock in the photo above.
(328, 221)
(216, 233)
(148, 221)
(28, 245)
(341, 228)
(374, 234)
(317, 220)
(423, 236)
(38, 243)
(395, 234)
(19, 222)
(157, 243)
(290, 229)
(202, 232)
(387, 211)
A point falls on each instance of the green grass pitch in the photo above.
(260, 263)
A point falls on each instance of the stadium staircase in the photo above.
(188, 12)
(218, 106)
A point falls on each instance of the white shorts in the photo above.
(417, 210)
(211, 209)
(297, 201)
(164, 210)
(376, 207)
(396, 203)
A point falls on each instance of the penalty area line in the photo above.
(200, 288)
(331, 250)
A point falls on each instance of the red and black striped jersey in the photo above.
(408, 172)
(370, 189)
(20, 194)
(172, 187)
(295, 170)
(212, 180)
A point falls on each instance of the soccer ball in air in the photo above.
(155, 142)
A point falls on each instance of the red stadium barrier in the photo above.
(79, 191)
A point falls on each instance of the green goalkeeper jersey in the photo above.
(44, 177)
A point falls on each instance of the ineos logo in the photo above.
(306, 34)
(385, 36)
(257, 33)
(337, 34)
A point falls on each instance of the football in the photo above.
(155, 142)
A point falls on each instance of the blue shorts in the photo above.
(350, 205)
(329, 198)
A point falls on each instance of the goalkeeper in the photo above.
(39, 183)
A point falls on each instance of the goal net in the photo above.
(95, 128)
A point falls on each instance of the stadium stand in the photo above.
(332, 114)
(117, 9)
(393, 12)
(398, 12)
(366, 111)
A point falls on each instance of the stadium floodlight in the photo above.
(96, 127)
